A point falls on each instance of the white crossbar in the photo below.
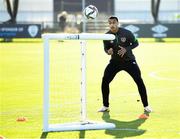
(81, 36)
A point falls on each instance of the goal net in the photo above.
(65, 83)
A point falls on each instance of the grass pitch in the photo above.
(21, 90)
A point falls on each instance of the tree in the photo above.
(12, 10)
(155, 9)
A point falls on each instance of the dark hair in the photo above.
(113, 17)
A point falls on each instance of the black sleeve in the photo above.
(106, 45)
(133, 42)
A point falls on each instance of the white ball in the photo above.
(90, 12)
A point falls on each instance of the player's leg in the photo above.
(109, 74)
(133, 69)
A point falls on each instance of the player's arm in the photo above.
(132, 41)
(107, 48)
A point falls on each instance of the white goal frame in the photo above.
(84, 124)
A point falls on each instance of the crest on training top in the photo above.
(123, 39)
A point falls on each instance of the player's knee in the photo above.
(139, 80)
(105, 80)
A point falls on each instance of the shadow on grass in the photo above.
(22, 41)
(44, 135)
(81, 135)
(124, 129)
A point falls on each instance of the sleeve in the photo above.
(133, 42)
(106, 45)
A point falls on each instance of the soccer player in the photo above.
(122, 58)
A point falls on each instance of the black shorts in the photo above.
(114, 67)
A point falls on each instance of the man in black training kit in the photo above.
(122, 58)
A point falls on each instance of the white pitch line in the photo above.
(152, 91)
(154, 74)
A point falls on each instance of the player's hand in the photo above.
(122, 51)
(110, 51)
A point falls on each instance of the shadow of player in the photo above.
(124, 128)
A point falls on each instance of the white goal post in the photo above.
(84, 124)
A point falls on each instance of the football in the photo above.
(90, 12)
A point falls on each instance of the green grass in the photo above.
(21, 89)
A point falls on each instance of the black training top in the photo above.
(124, 38)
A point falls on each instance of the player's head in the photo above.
(113, 23)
